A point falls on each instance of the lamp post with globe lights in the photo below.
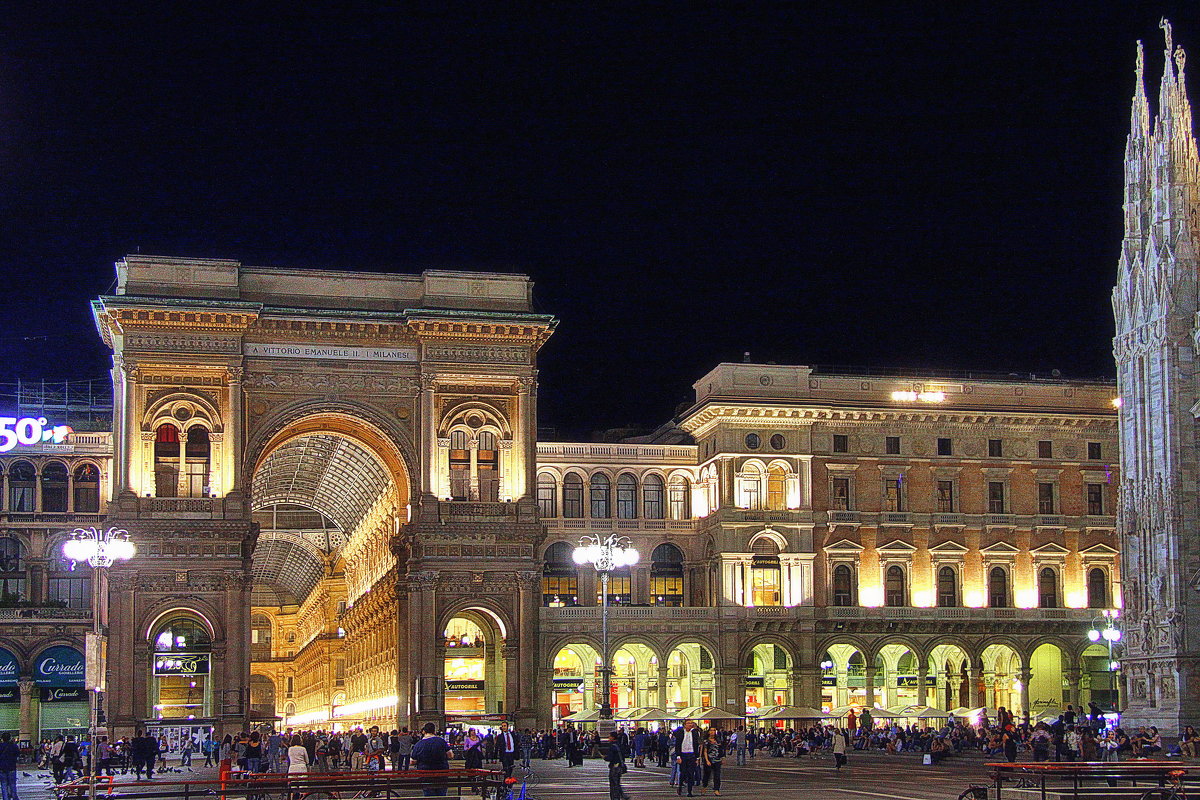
(100, 549)
(611, 552)
(1106, 627)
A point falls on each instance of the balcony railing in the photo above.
(41, 614)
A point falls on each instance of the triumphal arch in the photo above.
(353, 452)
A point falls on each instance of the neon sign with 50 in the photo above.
(30, 430)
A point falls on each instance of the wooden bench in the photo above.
(1071, 779)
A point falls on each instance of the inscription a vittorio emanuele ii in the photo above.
(405, 354)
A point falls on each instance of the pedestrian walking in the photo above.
(687, 750)
(713, 755)
(9, 753)
(841, 740)
(616, 767)
(431, 752)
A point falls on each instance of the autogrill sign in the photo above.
(61, 667)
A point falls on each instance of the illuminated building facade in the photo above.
(1155, 306)
(343, 516)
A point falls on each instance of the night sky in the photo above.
(899, 186)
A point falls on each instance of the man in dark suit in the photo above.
(687, 750)
(506, 749)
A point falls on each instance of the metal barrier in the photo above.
(297, 786)
(1079, 773)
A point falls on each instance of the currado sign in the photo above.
(60, 666)
(52, 695)
(10, 670)
(181, 663)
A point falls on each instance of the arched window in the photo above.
(12, 569)
(260, 637)
(560, 582)
(601, 496)
(180, 686)
(947, 587)
(55, 482)
(750, 482)
(262, 696)
(776, 488)
(1097, 588)
(21, 481)
(198, 452)
(87, 489)
(652, 497)
(626, 496)
(893, 587)
(681, 498)
(998, 587)
(166, 461)
(573, 496)
(765, 573)
(69, 584)
(488, 461)
(547, 495)
(843, 585)
(460, 465)
(1048, 588)
(666, 576)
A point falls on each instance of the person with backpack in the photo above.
(9, 753)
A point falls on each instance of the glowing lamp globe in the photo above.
(1094, 635)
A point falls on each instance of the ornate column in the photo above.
(427, 429)
(1072, 676)
(662, 686)
(869, 686)
(923, 684)
(731, 689)
(806, 686)
(182, 487)
(529, 605)
(235, 441)
(524, 452)
(1024, 676)
(29, 722)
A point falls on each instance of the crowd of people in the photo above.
(695, 757)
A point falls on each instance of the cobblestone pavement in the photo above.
(877, 775)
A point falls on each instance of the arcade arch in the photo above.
(768, 677)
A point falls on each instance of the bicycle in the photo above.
(1172, 791)
(979, 791)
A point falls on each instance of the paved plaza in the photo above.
(875, 774)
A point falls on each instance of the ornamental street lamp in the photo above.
(100, 549)
(612, 552)
(1106, 627)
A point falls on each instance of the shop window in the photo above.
(945, 497)
(840, 494)
(166, 461)
(666, 576)
(180, 679)
(681, 498)
(600, 493)
(12, 569)
(843, 585)
(488, 461)
(1097, 588)
(996, 497)
(1045, 498)
(547, 495)
(947, 587)
(776, 488)
(573, 496)
(260, 637)
(766, 574)
(199, 452)
(893, 494)
(998, 587)
(1048, 588)
(626, 496)
(894, 594)
(560, 581)
(21, 481)
(652, 497)
(55, 484)
(620, 587)
(87, 489)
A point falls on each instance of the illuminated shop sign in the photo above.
(29, 431)
(10, 670)
(52, 695)
(10, 694)
(464, 686)
(181, 663)
(919, 397)
(60, 667)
